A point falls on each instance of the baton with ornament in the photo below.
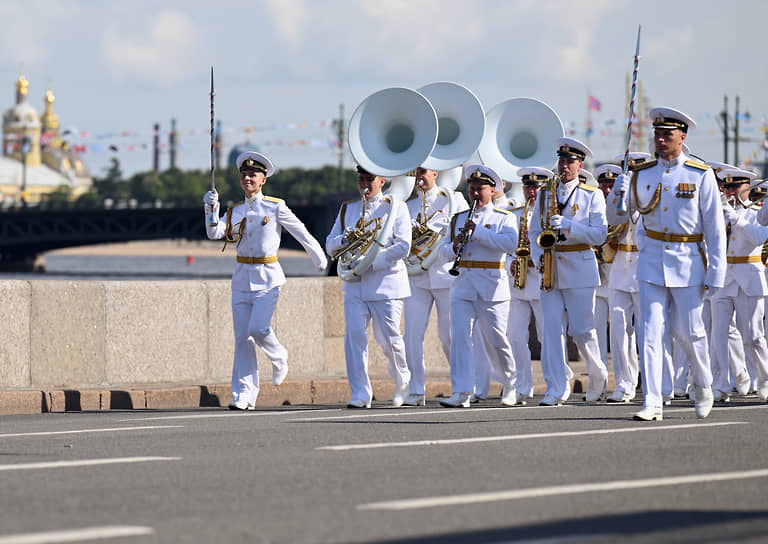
(213, 218)
(621, 207)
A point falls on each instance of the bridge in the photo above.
(27, 233)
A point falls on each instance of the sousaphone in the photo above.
(390, 134)
(519, 132)
(461, 125)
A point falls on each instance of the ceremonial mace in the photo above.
(213, 218)
(621, 207)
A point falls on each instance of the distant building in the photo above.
(36, 160)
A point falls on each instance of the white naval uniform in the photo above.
(256, 287)
(522, 304)
(743, 294)
(480, 296)
(624, 312)
(671, 274)
(575, 277)
(602, 309)
(431, 286)
(377, 296)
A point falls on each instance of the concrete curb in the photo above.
(294, 392)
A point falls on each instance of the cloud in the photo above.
(27, 30)
(167, 54)
(289, 19)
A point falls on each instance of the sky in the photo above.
(283, 67)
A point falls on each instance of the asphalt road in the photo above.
(325, 474)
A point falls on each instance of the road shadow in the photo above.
(681, 526)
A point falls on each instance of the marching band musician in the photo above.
(745, 288)
(254, 226)
(736, 355)
(378, 294)
(579, 224)
(431, 286)
(623, 293)
(604, 258)
(525, 300)
(484, 371)
(480, 293)
(678, 200)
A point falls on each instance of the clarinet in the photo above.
(454, 271)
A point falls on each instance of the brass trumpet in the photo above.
(751, 188)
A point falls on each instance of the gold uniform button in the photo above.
(666, 188)
(667, 247)
(665, 229)
(667, 170)
(665, 208)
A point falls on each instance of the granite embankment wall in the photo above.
(89, 345)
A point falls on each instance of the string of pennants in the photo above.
(132, 140)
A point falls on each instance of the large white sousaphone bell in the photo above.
(520, 132)
(461, 125)
(390, 133)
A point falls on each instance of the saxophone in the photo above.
(523, 251)
(547, 238)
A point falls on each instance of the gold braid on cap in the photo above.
(251, 164)
(481, 176)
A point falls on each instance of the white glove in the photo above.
(731, 216)
(211, 198)
(561, 223)
(621, 185)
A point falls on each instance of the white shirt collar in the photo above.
(681, 158)
(255, 198)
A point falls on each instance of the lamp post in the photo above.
(24, 150)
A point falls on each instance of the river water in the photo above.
(150, 267)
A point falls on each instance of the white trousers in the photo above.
(417, 310)
(491, 319)
(680, 308)
(625, 307)
(578, 305)
(251, 319)
(520, 311)
(602, 312)
(749, 312)
(385, 315)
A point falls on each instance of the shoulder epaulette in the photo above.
(587, 187)
(272, 199)
(443, 191)
(501, 210)
(755, 207)
(697, 164)
(644, 165)
(388, 198)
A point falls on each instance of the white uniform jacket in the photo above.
(624, 266)
(387, 277)
(745, 240)
(586, 209)
(437, 277)
(494, 237)
(689, 204)
(260, 221)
